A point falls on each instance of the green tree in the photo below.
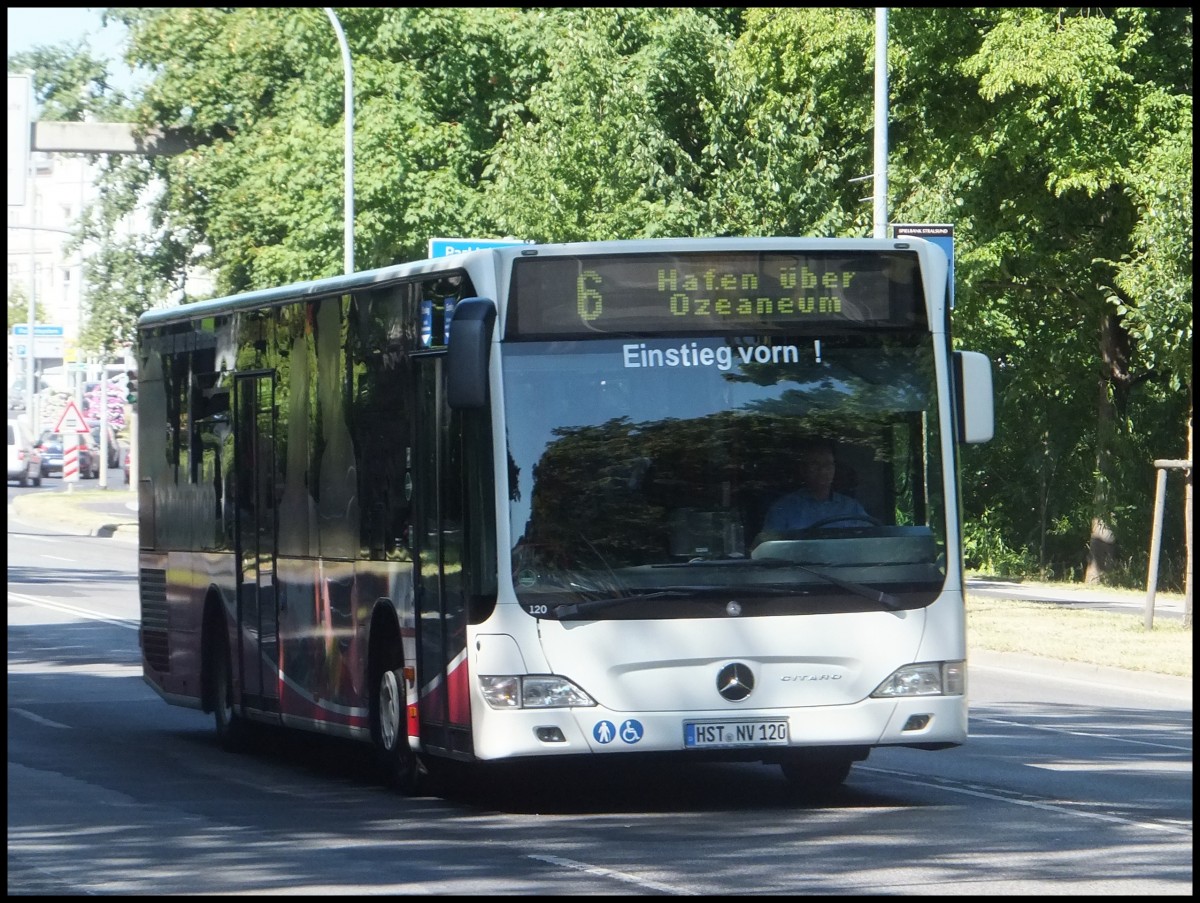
(260, 93)
(1154, 285)
(70, 83)
(1069, 96)
(18, 308)
(611, 142)
(791, 127)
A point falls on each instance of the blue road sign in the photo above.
(444, 247)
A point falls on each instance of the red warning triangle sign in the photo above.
(71, 420)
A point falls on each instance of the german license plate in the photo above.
(709, 734)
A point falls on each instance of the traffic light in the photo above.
(131, 386)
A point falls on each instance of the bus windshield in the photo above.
(643, 473)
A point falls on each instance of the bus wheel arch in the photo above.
(400, 766)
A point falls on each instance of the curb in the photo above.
(101, 524)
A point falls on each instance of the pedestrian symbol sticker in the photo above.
(630, 731)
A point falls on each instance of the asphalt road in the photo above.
(1065, 787)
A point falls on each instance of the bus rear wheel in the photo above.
(401, 768)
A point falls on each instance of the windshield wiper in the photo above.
(580, 609)
(887, 600)
(731, 561)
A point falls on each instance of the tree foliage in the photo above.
(1057, 141)
(609, 143)
(18, 308)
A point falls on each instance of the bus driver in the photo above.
(815, 501)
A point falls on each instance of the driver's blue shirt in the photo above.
(798, 510)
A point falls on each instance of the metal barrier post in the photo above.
(1160, 491)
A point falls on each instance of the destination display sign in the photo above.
(746, 292)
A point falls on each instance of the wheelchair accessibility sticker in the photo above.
(629, 732)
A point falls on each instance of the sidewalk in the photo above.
(1168, 604)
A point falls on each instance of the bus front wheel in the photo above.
(400, 765)
(816, 777)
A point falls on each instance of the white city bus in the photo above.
(511, 504)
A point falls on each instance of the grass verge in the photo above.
(1079, 635)
(71, 508)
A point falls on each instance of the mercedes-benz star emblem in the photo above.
(735, 682)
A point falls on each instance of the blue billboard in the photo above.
(941, 234)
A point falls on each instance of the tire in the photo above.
(399, 764)
(816, 777)
(231, 727)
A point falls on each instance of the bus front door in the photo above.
(257, 657)
(441, 602)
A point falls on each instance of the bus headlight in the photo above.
(540, 691)
(925, 679)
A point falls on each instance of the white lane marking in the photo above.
(39, 719)
(1163, 767)
(57, 558)
(609, 873)
(90, 614)
(92, 669)
(1059, 809)
(1095, 735)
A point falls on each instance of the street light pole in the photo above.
(348, 72)
(881, 123)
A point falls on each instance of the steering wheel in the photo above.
(859, 518)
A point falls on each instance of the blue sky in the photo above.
(30, 27)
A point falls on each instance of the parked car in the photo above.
(114, 445)
(51, 447)
(24, 461)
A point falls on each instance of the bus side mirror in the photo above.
(467, 353)
(973, 387)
